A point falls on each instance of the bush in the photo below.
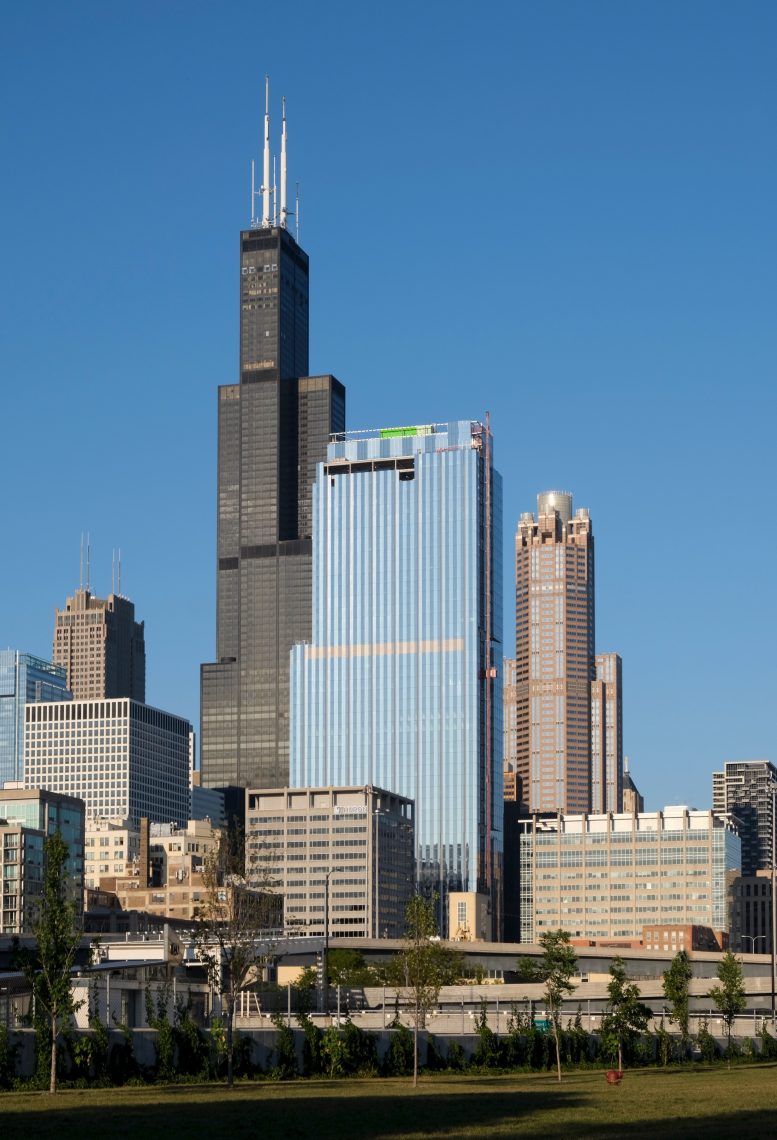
(360, 1051)
(488, 1054)
(708, 1046)
(399, 1058)
(768, 1044)
(285, 1066)
(455, 1058)
(312, 1061)
(8, 1055)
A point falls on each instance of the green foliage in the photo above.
(423, 965)
(559, 963)
(333, 1051)
(676, 982)
(164, 1042)
(768, 1043)
(399, 1058)
(360, 1051)
(285, 1057)
(8, 1055)
(312, 1060)
(729, 995)
(122, 1066)
(48, 969)
(576, 1040)
(708, 1046)
(664, 1039)
(488, 1054)
(626, 1015)
(191, 1045)
(455, 1058)
(348, 968)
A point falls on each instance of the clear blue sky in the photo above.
(560, 212)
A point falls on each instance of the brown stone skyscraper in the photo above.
(554, 655)
(101, 646)
(607, 734)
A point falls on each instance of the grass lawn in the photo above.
(711, 1103)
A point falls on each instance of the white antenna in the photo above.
(253, 191)
(283, 167)
(113, 570)
(81, 570)
(88, 563)
(119, 571)
(296, 213)
(274, 195)
(266, 175)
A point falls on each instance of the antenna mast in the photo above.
(266, 174)
(81, 567)
(283, 167)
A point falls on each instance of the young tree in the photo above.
(626, 1014)
(423, 966)
(677, 981)
(57, 935)
(233, 927)
(729, 996)
(555, 969)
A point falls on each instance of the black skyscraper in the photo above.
(274, 427)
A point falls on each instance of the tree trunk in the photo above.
(558, 1048)
(230, 1039)
(415, 1047)
(620, 1056)
(53, 1072)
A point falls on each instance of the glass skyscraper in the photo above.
(399, 685)
(23, 679)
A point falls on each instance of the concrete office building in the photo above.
(607, 734)
(122, 758)
(350, 847)
(399, 686)
(101, 647)
(23, 679)
(746, 790)
(273, 428)
(609, 876)
(27, 818)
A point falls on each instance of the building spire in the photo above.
(283, 167)
(266, 171)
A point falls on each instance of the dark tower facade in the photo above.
(273, 428)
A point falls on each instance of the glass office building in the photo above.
(399, 687)
(23, 679)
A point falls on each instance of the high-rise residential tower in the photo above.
(399, 686)
(273, 427)
(101, 647)
(554, 654)
(23, 679)
(747, 789)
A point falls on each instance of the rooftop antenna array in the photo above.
(269, 191)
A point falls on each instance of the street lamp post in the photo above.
(774, 908)
(753, 939)
(376, 816)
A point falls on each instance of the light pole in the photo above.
(376, 816)
(752, 938)
(325, 956)
(774, 908)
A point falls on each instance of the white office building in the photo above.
(123, 759)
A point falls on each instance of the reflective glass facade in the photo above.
(399, 686)
(23, 679)
(273, 428)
